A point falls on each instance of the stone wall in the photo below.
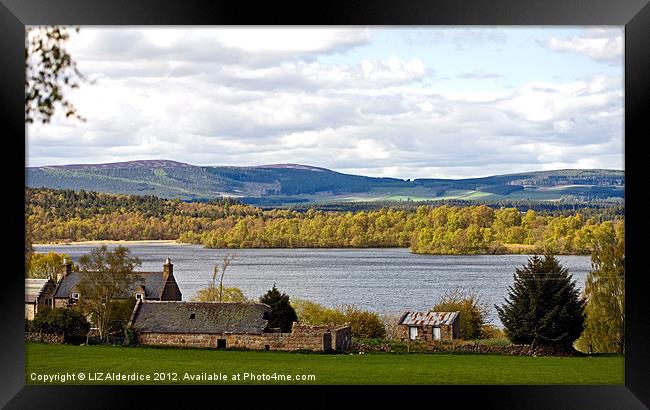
(341, 335)
(44, 337)
(270, 341)
(462, 347)
(446, 332)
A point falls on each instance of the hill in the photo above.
(294, 183)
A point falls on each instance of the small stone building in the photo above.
(225, 325)
(38, 294)
(145, 286)
(429, 326)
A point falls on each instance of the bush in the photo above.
(130, 336)
(312, 313)
(70, 322)
(363, 323)
(492, 332)
(121, 312)
(472, 311)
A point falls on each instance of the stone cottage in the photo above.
(145, 286)
(225, 325)
(38, 294)
(429, 326)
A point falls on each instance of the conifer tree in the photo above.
(282, 313)
(543, 306)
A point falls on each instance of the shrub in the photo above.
(364, 324)
(472, 311)
(312, 313)
(492, 332)
(120, 314)
(70, 322)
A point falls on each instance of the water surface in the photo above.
(386, 280)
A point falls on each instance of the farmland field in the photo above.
(192, 366)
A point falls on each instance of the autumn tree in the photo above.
(51, 73)
(605, 293)
(217, 293)
(212, 294)
(46, 265)
(105, 277)
(282, 313)
(543, 306)
(472, 311)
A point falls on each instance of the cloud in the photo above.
(206, 99)
(479, 75)
(252, 47)
(599, 44)
(460, 38)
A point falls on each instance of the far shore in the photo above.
(112, 242)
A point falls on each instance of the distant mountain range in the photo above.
(295, 183)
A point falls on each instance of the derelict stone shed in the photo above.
(222, 325)
(429, 326)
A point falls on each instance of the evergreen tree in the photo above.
(543, 305)
(282, 313)
(605, 293)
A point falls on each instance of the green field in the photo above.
(43, 359)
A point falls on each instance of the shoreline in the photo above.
(114, 242)
(174, 242)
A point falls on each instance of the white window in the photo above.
(74, 295)
(139, 296)
(413, 332)
(436, 333)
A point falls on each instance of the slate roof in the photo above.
(208, 317)
(428, 318)
(34, 288)
(152, 281)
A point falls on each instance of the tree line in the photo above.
(56, 216)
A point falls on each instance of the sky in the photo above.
(403, 102)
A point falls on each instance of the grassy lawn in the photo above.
(328, 368)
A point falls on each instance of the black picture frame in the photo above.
(633, 14)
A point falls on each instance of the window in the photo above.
(139, 296)
(221, 343)
(413, 332)
(192, 315)
(436, 333)
(74, 295)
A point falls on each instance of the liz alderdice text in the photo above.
(165, 377)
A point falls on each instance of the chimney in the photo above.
(168, 270)
(66, 268)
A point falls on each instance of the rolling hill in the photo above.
(295, 183)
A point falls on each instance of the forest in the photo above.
(66, 215)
